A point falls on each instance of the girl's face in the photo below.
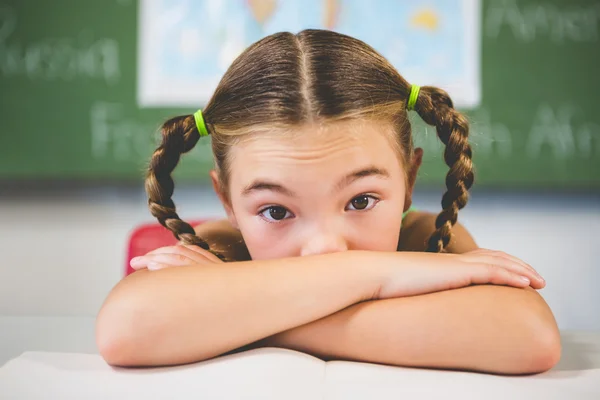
(320, 190)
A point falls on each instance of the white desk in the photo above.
(283, 374)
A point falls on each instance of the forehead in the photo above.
(316, 150)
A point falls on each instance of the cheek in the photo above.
(263, 240)
(377, 232)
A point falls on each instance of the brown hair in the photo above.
(286, 80)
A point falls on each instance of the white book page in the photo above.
(266, 374)
(346, 381)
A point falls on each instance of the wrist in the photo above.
(370, 269)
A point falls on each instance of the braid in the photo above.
(179, 135)
(435, 108)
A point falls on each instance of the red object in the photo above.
(148, 237)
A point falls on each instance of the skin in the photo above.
(311, 179)
(318, 221)
(320, 218)
(332, 257)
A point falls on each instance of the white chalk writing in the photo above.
(120, 138)
(588, 139)
(490, 138)
(552, 129)
(558, 131)
(576, 23)
(57, 58)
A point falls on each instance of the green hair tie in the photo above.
(412, 99)
(200, 125)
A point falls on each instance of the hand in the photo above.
(173, 256)
(420, 273)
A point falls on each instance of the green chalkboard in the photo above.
(69, 110)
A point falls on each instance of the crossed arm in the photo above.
(487, 328)
(481, 328)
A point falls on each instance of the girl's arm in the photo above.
(190, 313)
(203, 307)
(484, 328)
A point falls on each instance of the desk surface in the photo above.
(284, 374)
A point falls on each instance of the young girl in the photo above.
(321, 253)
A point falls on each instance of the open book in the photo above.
(276, 374)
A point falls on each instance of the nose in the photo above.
(324, 243)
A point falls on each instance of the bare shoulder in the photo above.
(213, 227)
(224, 238)
(417, 226)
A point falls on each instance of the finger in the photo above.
(537, 281)
(138, 263)
(189, 250)
(518, 260)
(539, 277)
(183, 250)
(499, 276)
(155, 266)
(165, 258)
(512, 258)
(204, 253)
(503, 262)
(165, 249)
(173, 260)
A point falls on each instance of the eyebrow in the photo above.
(264, 184)
(362, 173)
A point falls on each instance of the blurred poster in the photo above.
(185, 46)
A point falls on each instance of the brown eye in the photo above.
(277, 213)
(360, 202)
(364, 202)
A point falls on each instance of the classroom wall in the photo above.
(64, 249)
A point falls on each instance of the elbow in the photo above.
(531, 352)
(532, 339)
(546, 344)
(120, 349)
(545, 351)
(110, 348)
(113, 341)
(123, 327)
(131, 331)
(114, 350)
(542, 340)
(120, 313)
